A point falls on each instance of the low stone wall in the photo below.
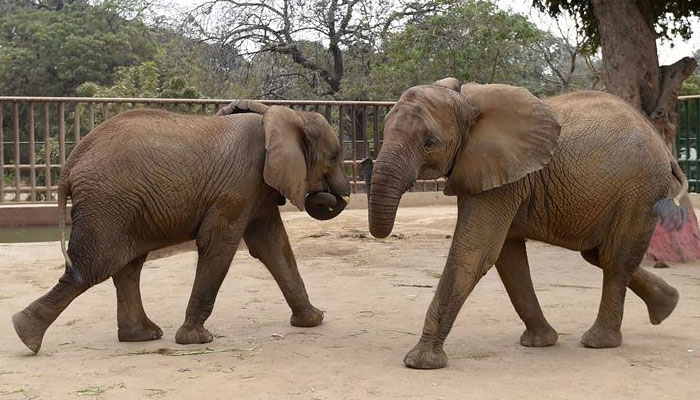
(20, 215)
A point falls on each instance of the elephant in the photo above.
(146, 179)
(584, 171)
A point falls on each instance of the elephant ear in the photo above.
(514, 134)
(243, 106)
(285, 164)
(450, 83)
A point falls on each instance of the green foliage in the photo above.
(50, 52)
(9, 176)
(669, 17)
(143, 80)
(691, 86)
(473, 41)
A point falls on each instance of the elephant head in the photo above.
(478, 136)
(304, 162)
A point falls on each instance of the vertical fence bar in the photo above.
(32, 153)
(340, 136)
(2, 154)
(696, 162)
(375, 149)
(91, 116)
(677, 143)
(686, 116)
(47, 150)
(353, 144)
(16, 132)
(76, 125)
(61, 134)
(105, 112)
(365, 131)
(365, 143)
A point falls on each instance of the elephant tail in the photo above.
(669, 209)
(63, 193)
(680, 176)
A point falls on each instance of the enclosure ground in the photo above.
(375, 294)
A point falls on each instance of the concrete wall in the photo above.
(16, 215)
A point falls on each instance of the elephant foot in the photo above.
(601, 338)
(140, 333)
(661, 303)
(426, 356)
(307, 318)
(539, 338)
(193, 334)
(30, 329)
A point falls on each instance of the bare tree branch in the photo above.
(315, 34)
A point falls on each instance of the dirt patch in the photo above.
(375, 294)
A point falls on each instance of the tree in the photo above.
(143, 80)
(626, 31)
(691, 86)
(564, 51)
(346, 28)
(50, 48)
(470, 40)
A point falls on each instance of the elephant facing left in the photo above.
(146, 179)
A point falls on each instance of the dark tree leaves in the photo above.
(668, 17)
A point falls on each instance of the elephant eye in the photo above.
(334, 157)
(429, 143)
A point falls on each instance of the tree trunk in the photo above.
(631, 71)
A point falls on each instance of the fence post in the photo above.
(2, 153)
(47, 151)
(91, 116)
(32, 153)
(76, 125)
(61, 134)
(15, 109)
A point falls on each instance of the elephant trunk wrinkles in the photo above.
(389, 181)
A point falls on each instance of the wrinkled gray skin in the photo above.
(147, 179)
(582, 171)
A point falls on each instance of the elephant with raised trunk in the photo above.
(584, 171)
(146, 179)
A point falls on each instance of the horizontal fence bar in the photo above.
(146, 100)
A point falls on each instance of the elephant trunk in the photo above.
(391, 176)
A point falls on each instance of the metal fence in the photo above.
(688, 139)
(38, 133)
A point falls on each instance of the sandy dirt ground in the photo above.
(375, 294)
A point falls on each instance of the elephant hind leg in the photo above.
(619, 257)
(660, 297)
(32, 322)
(514, 271)
(132, 321)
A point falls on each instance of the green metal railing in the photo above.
(687, 144)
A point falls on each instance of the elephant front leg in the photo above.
(482, 224)
(267, 240)
(216, 245)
